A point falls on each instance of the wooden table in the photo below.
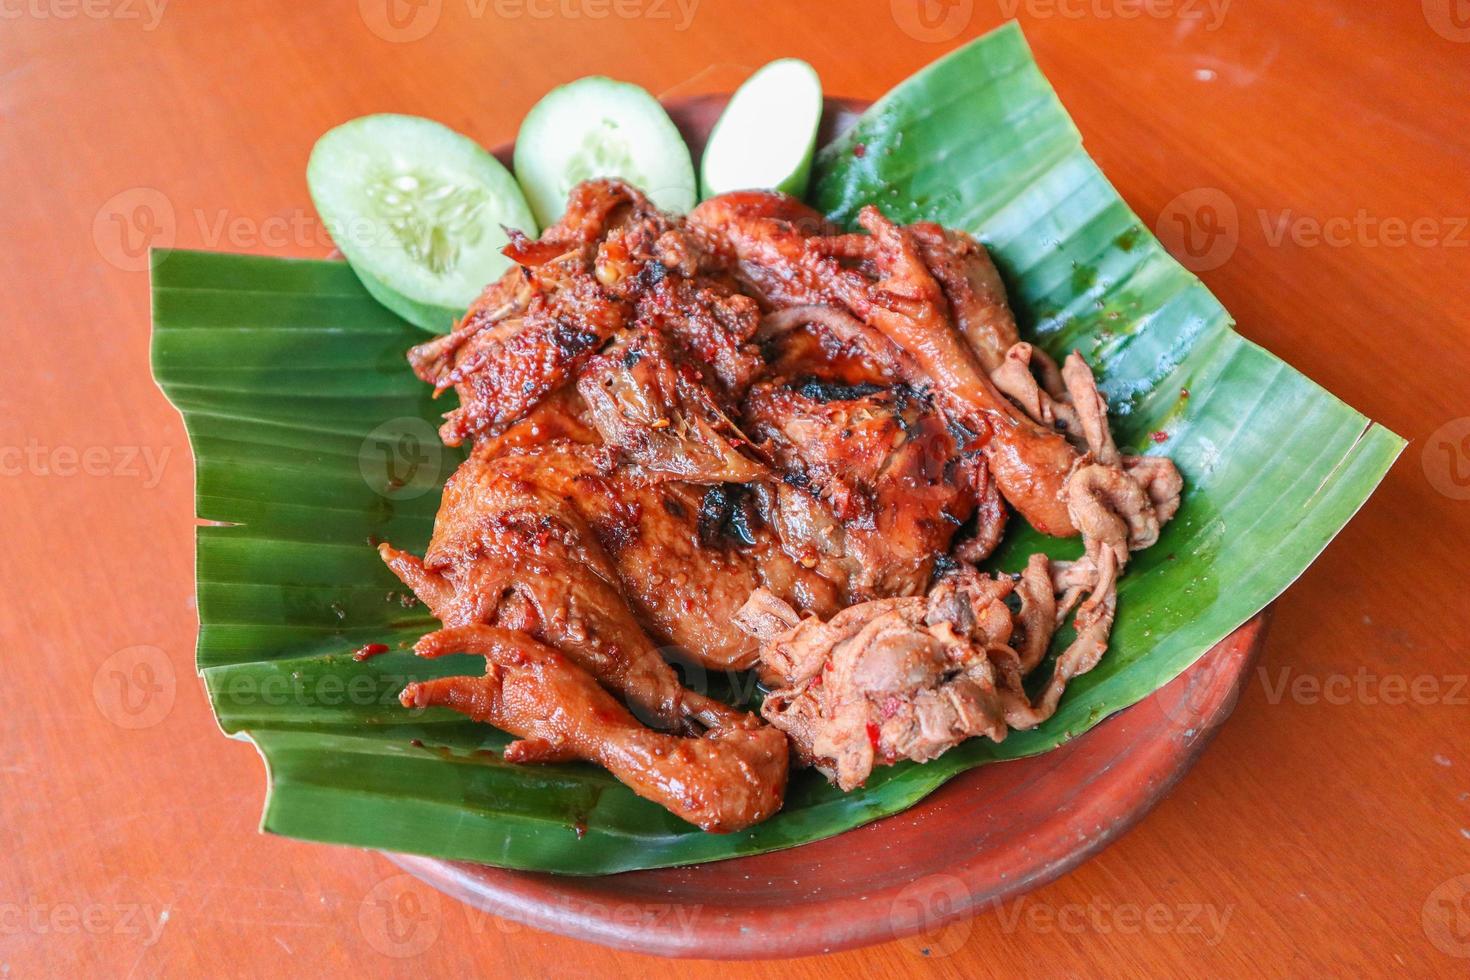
(1327, 829)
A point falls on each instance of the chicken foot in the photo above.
(724, 780)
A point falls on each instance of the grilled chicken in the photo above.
(521, 536)
(745, 439)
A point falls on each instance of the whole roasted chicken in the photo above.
(745, 440)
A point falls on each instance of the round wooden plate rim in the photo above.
(677, 911)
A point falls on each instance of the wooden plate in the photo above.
(988, 835)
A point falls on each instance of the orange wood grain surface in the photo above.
(1328, 828)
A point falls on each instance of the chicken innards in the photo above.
(750, 438)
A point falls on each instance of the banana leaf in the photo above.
(313, 441)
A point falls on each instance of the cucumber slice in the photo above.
(598, 127)
(765, 137)
(418, 211)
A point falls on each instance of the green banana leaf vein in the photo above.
(313, 441)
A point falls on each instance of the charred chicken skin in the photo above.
(745, 439)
